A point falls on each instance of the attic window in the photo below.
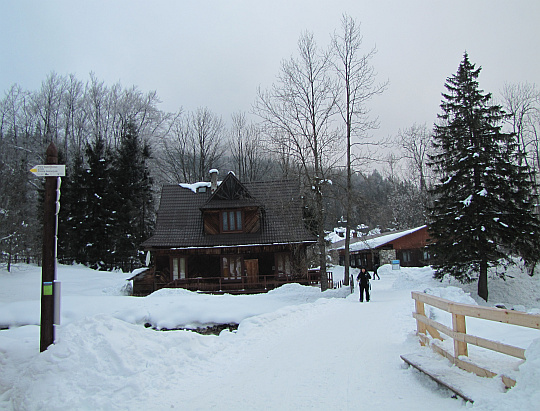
(201, 189)
(231, 221)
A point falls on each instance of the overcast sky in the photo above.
(216, 54)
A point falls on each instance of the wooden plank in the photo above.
(459, 326)
(472, 339)
(499, 315)
(439, 378)
(211, 222)
(432, 300)
(420, 326)
(436, 325)
(486, 313)
(469, 366)
(492, 345)
(464, 365)
(252, 220)
(508, 382)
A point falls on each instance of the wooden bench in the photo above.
(442, 374)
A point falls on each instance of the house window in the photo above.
(283, 264)
(231, 221)
(406, 256)
(232, 267)
(179, 268)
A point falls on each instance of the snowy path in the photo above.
(295, 349)
(311, 354)
(347, 353)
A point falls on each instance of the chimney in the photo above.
(213, 179)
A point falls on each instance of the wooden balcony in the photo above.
(147, 284)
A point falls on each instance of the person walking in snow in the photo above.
(363, 283)
(375, 274)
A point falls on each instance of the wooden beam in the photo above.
(420, 326)
(437, 378)
(459, 326)
(467, 365)
(472, 339)
(485, 313)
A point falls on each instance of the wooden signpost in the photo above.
(49, 170)
(50, 290)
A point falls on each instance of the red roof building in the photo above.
(407, 246)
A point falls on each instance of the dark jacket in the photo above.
(363, 278)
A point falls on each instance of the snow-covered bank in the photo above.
(295, 348)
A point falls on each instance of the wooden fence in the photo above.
(458, 332)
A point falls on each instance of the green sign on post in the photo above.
(47, 288)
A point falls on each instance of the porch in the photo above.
(149, 281)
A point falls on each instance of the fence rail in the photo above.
(458, 332)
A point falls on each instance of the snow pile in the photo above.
(528, 383)
(526, 394)
(291, 344)
(515, 290)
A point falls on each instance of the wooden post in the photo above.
(49, 254)
(420, 326)
(458, 325)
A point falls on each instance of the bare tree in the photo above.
(297, 113)
(14, 113)
(176, 156)
(74, 116)
(415, 142)
(393, 169)
(193, 145)
(522, 103)
(95, 96)
(247, 149)
(48, 105)
(207, 131)
(18, 218)
(357, 78)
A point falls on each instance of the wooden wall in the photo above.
(417, 240)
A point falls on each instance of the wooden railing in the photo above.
(458, 332)
(238, 285)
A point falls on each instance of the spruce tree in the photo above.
(481, 212)
(98, 217)
(133, 199)
(72, 216)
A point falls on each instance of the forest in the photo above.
(119, 148)
(108, 135)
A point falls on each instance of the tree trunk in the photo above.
(320, 241)
(348, 199)
(322, 264)
(347, 254)
(483, 281)
(10, 253)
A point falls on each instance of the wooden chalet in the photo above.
(407, 246)
(233, 237)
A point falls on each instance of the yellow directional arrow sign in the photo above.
(46, 170)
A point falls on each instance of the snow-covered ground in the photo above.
(295, 348)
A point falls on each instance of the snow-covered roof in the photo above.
(194, 186)
(371, 242)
